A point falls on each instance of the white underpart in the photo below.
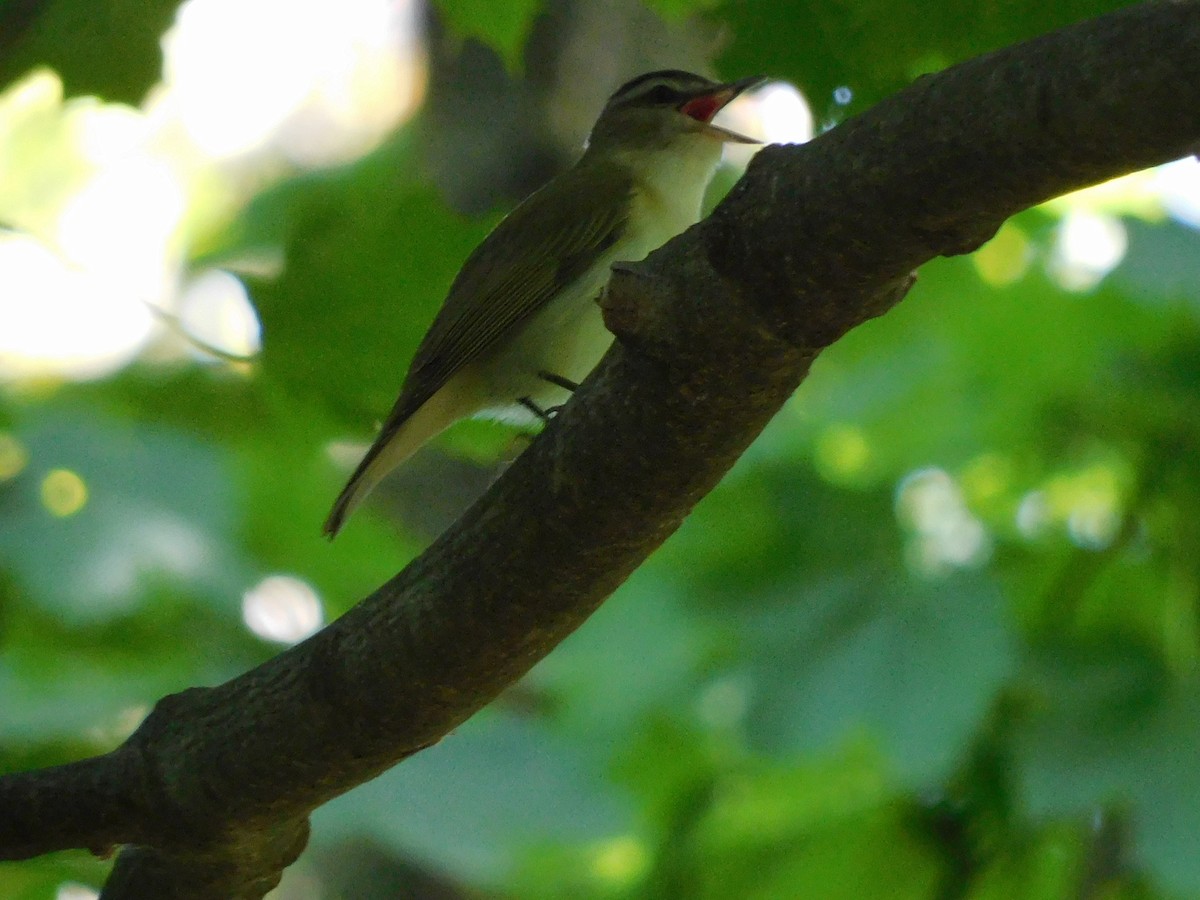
(568, 337)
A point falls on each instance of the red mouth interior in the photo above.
(702, 109)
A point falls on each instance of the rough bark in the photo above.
(212, 793)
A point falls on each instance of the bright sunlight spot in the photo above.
(147, 197)
(217, 317)
(1086, 503)
(59, 320)
(1136, 194)
(1087, 247)
(319, 82)
(282, 608)
(73, 891)
(117, 728)
(1033, 516)
(63, 493)
(152, 543)
(1179, 185)
(100, 202)
(945, 535)
(40, 160)
(1090, 503)
(13, 456)
(842, 453)
(621, 860)
(776, 113)
(986, 478)
(1091, 238)
(1005, 258)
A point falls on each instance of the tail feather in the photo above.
(393, 446)
(368, 474)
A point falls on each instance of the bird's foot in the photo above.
(544, 414)
(565, 383)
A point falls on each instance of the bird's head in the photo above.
(667, 110)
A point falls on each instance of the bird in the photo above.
(520, 327)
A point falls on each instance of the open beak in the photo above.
(704, 106)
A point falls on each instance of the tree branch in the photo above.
(716, 331)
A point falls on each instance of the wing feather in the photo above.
(555, 236)
(545, 243)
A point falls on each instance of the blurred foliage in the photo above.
(109, 48)
(936, 635)
(875, 47)
(503, 26)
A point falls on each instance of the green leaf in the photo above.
(1050, 866)
(878, 46)
(95, 694)
(475, 802)
(502, 26)
(772, 522)
(872, 856)
(276, 468)
(915, 665)
(1111, 734)
(825, 829)
(774, 803)
(639, 653)
(1160, 267)
(369, 260)
(42, 878)
(679, 9)
(109, 48)
(106, 510)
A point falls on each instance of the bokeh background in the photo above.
(936, 636)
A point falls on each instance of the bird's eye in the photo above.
(660, 94)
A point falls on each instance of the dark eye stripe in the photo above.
(660, 93)
(664, 87)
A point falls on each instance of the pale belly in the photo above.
(568, 337)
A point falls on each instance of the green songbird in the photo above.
(521, 326)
